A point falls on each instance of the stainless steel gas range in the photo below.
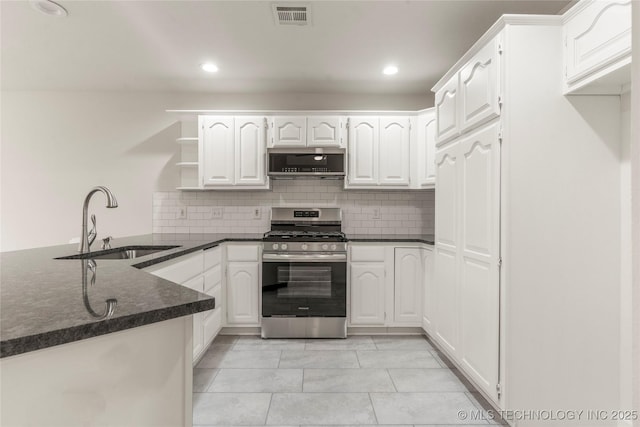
(304, 274)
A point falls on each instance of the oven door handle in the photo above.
(304, 258)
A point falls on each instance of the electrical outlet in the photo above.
(217, 213)
(257, 213)
(181, 213)
(375, 213)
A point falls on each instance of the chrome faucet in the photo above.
(85, 244)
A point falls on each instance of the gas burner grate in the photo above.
(301, 235)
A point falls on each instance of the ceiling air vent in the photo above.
(291, 15)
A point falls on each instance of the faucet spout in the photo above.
(111, 203)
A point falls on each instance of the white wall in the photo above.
(635, 209)
(55, 146)
(626, 307)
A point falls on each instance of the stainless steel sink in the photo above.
(125, 252)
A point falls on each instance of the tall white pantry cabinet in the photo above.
(522, 297)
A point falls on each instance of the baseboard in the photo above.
(240, 330)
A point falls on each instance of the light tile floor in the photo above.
(359, 381)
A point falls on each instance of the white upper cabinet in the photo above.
(288, 131)
(471, 96)
(426, 150)
(217, 150)
(480, 87)
(306, 131)
(250, 151)
(325, 131)
(446, 100)
(232, 152)
(394, 151)
(363, 151)
(597, 38)
(379, 152)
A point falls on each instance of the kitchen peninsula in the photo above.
(100, 343)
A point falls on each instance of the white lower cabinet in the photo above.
(187, 270)
(368, 293)
(202, 272)
(428, 290)
(386, 284)
(408, 287)
(243, 285)
(212, 320)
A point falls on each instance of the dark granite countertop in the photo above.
(43, 301)
(417, 238)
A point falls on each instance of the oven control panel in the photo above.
(270, 247)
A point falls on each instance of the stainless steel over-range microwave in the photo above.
(309, 163)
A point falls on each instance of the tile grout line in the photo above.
(266, 417)
(357, 359)
(392, 381)
(213, 380)
(373, 408)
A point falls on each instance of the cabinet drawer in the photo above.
(212, 257)
(179, 270)
(243, 253)
(212, 278)
(197, 284)
(367, 253)
(211, 324)
(597, 36)
(446, 100)
(216, 292)
(480, 87)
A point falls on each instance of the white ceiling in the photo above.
(158, 45)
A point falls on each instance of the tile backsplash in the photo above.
(363, 212)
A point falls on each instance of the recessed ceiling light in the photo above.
(49, 7)
(390, 70)
(209, 67)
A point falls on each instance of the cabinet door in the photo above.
(324, 131)
(479, 256)
(394, 151)
(480, 87)
(197, 284)
(250, 151)
(446, 110)
(446, 248)
(408, 287)
(367, 293)
(216, 150)
(426, 153)
(428, 291)
(599, 35)
(363, 151)
(288, 131)
(243, 288)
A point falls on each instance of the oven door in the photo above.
(304, 285)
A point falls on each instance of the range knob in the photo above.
(333, 247)
(325, 247)
(284, 246)
(275, 246)
(305, 246)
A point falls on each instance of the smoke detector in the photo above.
(291, 14)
